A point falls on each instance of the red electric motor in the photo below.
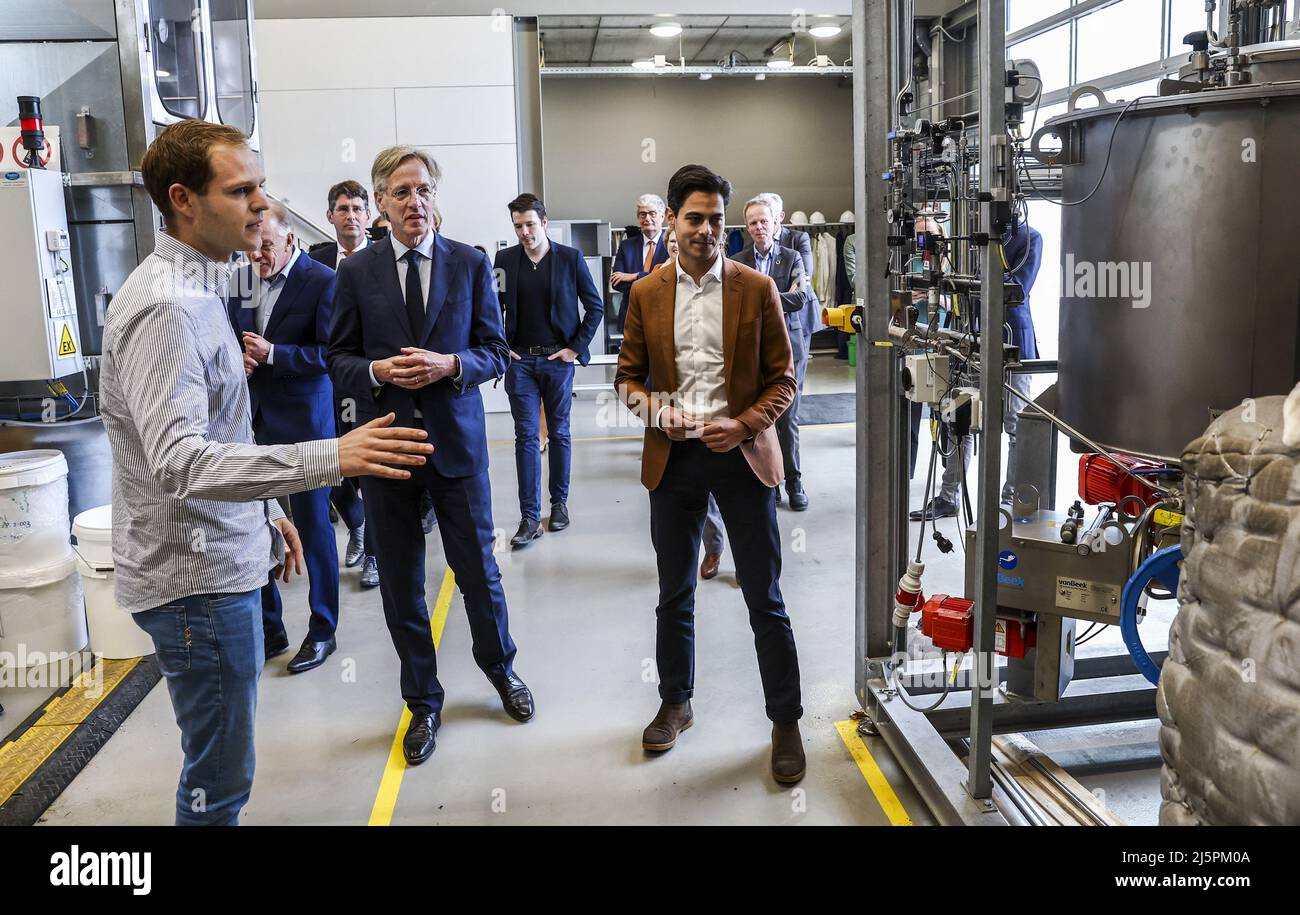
(1101, 481)
(950, 624)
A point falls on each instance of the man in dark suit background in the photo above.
(542, 283)
(641, 253)
(417, 328)
(763, 224)
(348, 211)
(284, 329)
(710, 333)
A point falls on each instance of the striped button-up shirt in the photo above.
(192, 495)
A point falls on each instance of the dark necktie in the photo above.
(414, 296)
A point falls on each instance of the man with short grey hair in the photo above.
(281, 311)
(640, 253)
(417, 328)
(808, 322)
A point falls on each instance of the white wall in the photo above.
(442, 83)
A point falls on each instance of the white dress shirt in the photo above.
(697, 336)
(268, 293)
(339, 257)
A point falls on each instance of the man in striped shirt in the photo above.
(196, 529)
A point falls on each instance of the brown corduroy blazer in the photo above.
(757, 365)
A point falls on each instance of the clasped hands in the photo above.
(720, 435)
(416, 368)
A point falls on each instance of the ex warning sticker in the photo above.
(67, 347)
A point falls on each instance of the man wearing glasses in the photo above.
(417, 328)
(641, 253)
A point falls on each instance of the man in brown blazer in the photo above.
(711, 334)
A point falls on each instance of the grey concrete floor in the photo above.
(582, 613)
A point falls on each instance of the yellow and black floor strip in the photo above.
(46, 752)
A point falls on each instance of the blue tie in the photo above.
(414, 295)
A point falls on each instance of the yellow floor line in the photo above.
(876, 780)
(62, 715)
(381, 814)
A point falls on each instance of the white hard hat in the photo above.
(846, 216)
(817, 219)
(798, 218)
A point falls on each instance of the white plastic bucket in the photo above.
(93, 530)
(33, 509)
(113, 633)
(41, 613)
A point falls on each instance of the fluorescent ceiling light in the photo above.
(824, 31)
(668, 30)
(644, 63)
(780, 63)
(706, 76)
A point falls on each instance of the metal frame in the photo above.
(1107, 688)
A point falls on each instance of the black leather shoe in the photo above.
(527, 533)
(798, 498)
(356, 547)
(311, 655)
(276, 645)
(559, 517)
(938, 508)
(370, 574)
(516, 698)
(421, 737)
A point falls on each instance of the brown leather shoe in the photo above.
(673, 718)
(709, 567)
(788, 761)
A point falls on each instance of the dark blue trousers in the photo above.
(311, 516)
(534, 383)
(464, 510)
(677, 509)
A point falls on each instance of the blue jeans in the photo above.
(210, 650)
(534, 383)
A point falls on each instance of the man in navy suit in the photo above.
(543, 282)
(417, 328)
(641, 253)
(284, 328)
(349, 214)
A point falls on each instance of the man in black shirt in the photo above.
(541, 283)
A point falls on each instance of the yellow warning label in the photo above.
(66, 346)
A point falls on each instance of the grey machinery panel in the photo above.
(1224, 294)
(59, 20)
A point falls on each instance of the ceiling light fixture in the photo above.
(706, 76)
(644, 63)
(667, 30)
(824, 31)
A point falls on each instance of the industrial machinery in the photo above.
(106, 75)
(1162, 199)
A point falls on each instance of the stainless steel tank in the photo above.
(1201, 201)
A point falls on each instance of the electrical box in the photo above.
(925, 377)
(39, 335)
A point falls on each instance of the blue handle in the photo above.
(1161, 566)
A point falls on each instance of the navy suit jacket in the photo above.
(291, 399)
(631, 257)
(570, 281)
(1023, 247)
(462, 317)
